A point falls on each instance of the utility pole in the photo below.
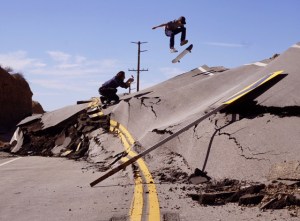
(138, 64)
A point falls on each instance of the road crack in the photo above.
(147, 102)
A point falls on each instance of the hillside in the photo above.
(15, 101)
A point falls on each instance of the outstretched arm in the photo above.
(162, 25)
(129, 81)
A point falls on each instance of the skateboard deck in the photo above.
(183, 53)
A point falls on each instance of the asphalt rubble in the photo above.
(275, 195)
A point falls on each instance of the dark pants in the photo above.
(175, 32)
(109, 94)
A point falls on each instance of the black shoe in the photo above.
(113, 102)
(102, 99)
(183, 42)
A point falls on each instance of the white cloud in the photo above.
(108, 63)
(59, 56)
(222, 44)
(68, 66)
(67, 61)
(77, 66)
(63, 64)
(80, 59)
(60, 75)
(19, 61)
(58, 85)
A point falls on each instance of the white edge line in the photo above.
(2, 164)
(203, 70)
(258, 64)
(296, 46)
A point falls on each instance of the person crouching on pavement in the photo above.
(108, 90)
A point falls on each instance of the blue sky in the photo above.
(67, 48)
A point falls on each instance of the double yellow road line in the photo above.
(144, 179)
(145, 202)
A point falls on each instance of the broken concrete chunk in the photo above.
(194, 196)
(268, 203)
(60, 139)
(250, 199)
(66, 142)
(248, 190)
(215, 198)
(279, 203)
(54, 118)
(295, 199)
(17, 140)
(171, 217)
(288, 182)
(57, 150)
(282, 201)
(198, 180)
(30, 119)
(208, 198)
(199, 177)
(119, 218)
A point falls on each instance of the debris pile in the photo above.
(69, 138)
(276, 195)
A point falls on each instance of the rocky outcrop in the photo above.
(15, 99)
(37, 108)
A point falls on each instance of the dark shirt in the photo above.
(114, 83)
(173, 25)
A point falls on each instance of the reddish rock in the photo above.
(15, 99)
(37, 108)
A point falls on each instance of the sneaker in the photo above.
(113, 102)
(183, 42)
(103, 99)
(173, 50)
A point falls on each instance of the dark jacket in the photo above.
(173, 25)
(114, 83)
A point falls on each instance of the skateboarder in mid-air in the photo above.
(108, 90)
(172, 28)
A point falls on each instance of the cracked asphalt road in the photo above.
(244, 142)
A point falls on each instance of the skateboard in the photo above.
(183, 53)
